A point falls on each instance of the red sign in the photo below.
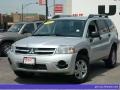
(42, 2)
(58, 8)
(78, 14)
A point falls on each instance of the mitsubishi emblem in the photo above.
(31, 51)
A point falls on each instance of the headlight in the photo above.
(65, 50)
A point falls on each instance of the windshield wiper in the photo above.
(48, 35)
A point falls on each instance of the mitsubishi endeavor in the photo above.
(66, 45)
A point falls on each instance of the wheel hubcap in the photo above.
(80, 69)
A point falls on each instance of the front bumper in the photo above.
(50, 61)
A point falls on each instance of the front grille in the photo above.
(33, 67)
(41, 51)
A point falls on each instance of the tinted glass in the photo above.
(38, 24)
(102, 26)
(110, 24)
(15, 28)
(92, 27)
(29, 28)
(72, 28)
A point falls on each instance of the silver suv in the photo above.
(67, 46)
(16, 32)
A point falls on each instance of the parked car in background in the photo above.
(66, 45)
(1, 30)
(16, 32)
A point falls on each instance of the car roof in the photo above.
(72, 18)
(91, 16)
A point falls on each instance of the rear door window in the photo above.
(102, 26)
(110, 24)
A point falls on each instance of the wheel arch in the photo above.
(83, 52)
(114, 45)
(4, 41)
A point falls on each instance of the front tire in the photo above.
(4, 48)
(81, 69)
(112, 59)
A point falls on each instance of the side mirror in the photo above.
(94, 34)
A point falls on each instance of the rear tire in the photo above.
(112, 59)
(23, 74)
(81, 69)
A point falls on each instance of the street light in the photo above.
(24, 6)
(45, 2)
(49, 7)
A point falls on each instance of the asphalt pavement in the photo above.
(99, 74)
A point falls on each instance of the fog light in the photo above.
(62, 64)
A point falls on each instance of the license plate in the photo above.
(29, 60)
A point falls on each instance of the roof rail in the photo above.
(58, 16)
(98, 15)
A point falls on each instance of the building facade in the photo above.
(7, 20)
(67, 7)
(17, 17)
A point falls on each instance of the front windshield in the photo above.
(15, 28)
(68, 28)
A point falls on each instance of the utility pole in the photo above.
(54, 7)
(22, 13)
(46, 10)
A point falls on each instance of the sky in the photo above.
(8, 6)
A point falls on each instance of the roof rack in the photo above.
(58, 16)
(97, 15)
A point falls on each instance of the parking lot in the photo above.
(98, 75)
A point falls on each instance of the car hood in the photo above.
(50, 41)
(8, 34)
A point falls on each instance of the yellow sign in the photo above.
(49, 22)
